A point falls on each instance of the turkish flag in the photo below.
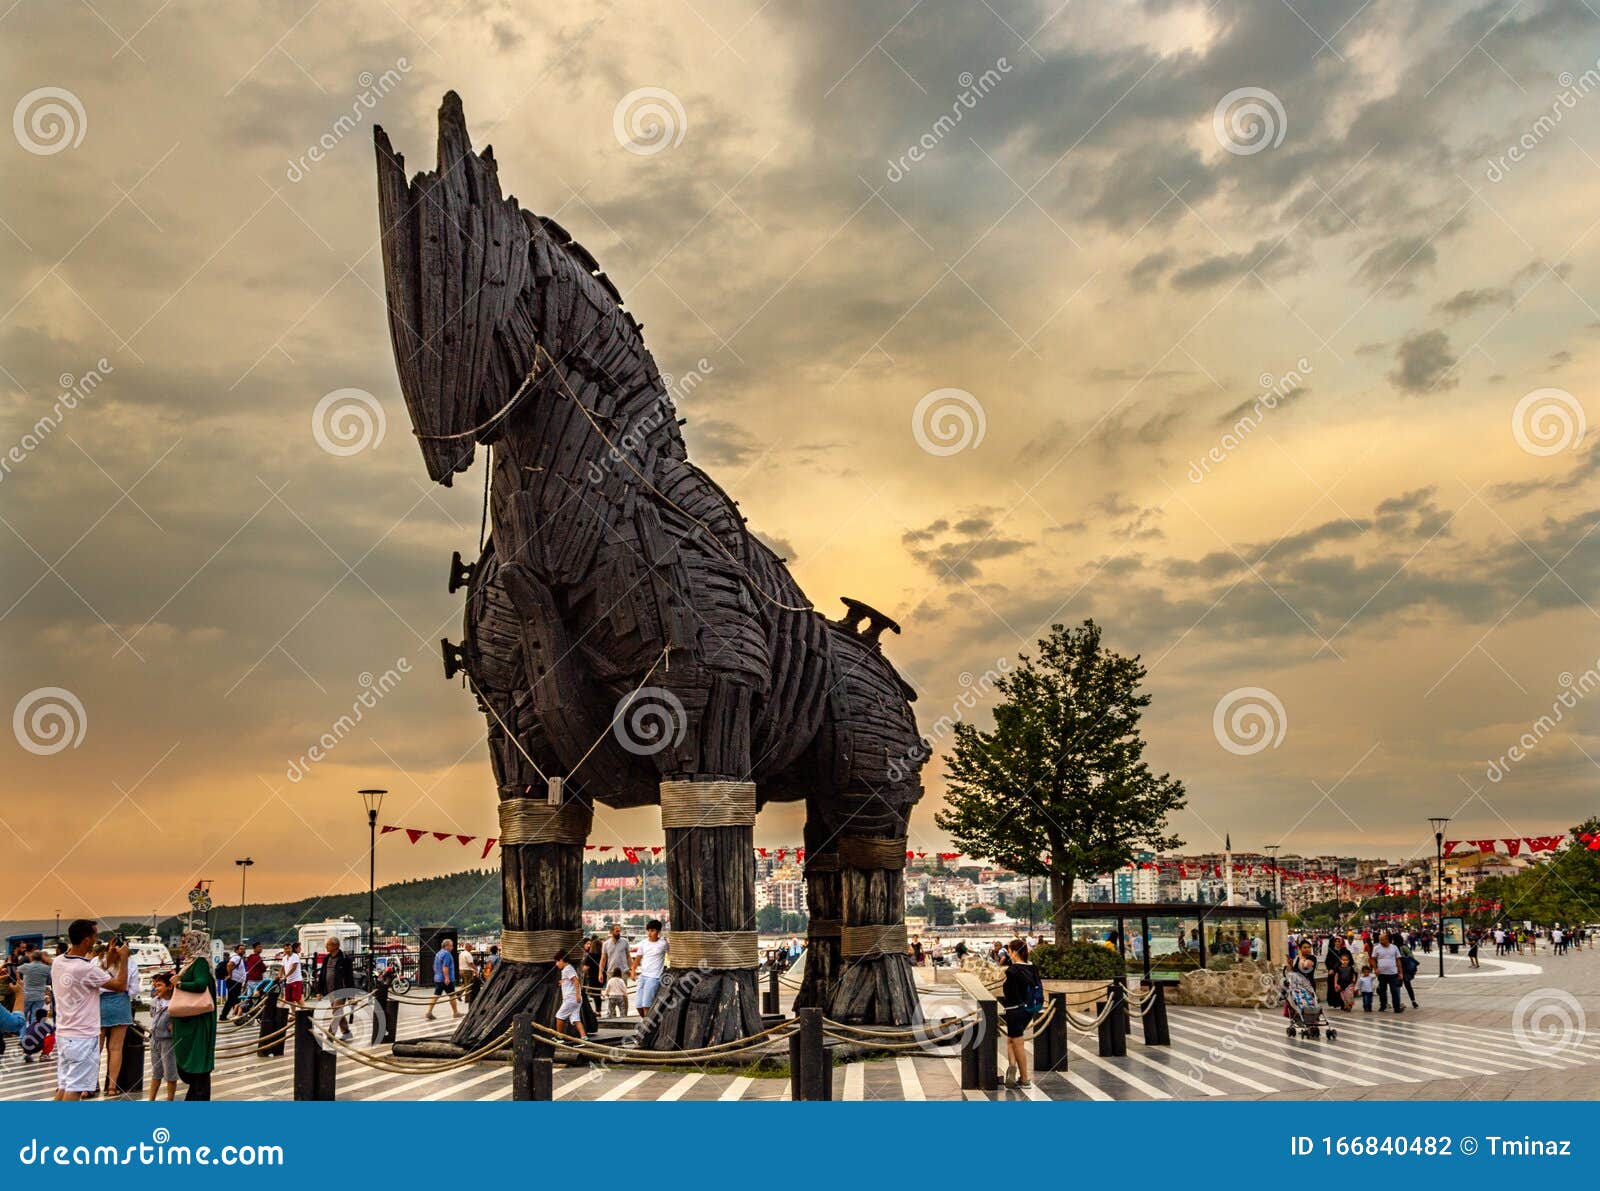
(414, 835)
(488, 844)
(1543, 843)
(385, 831)
(441, 835)
(1483, 845)
(632, 854)
(466, 839)
(1513, 846)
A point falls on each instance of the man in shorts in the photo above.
(649, 966)
(571, 1012)
(75, 986)
(444, 978)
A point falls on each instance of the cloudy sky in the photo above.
(1256, 331)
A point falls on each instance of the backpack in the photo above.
(39, 1035)
(1033, 999)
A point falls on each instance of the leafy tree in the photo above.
(978, 915)
(941, 911)
(1059, 788)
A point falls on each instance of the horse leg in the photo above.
(709, 994)
(541, 909)
(821, 973)
(874, 985)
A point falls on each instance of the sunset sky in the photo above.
(1146, 216)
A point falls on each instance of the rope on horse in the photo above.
(535, 821)
(858, 942)
(867, 853)
(537, 946)
(708, 804)
(717, 950)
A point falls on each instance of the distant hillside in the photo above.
(468, 901)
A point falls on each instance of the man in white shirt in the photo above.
(649, 966)
(294, 979)
(75, 987)
(1386, 960)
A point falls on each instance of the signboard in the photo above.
(1454, 932)
(616, 882)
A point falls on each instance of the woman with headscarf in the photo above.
(194, 1039)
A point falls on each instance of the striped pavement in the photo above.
(1215, 1053)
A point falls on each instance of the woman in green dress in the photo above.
(194, 1039)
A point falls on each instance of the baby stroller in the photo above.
(1301, 1007)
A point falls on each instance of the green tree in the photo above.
(978, 915)
(941, 911)
(1059, 788)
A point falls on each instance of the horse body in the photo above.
(623, 627)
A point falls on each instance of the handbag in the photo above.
(191, 1004)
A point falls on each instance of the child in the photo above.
(616, 996)
(163, 1063)
(1367, 987)
(570, 1013)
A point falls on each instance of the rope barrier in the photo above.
(410, 1067)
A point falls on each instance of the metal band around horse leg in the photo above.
(716, 949)
(862, 853)
(534, 821)
(708, 804)
(538, 946)
(858, 942)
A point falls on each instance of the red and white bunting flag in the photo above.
(1513, 846)
(385, 831)
(487, 845)
(414, 834)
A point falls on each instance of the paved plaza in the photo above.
(1518, 1029)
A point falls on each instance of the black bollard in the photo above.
(1156, 1031)
(532, 1069)
(1050, 1047)
(315, 1069)
(980, 1058)
(1114, 1025)
(810, 1070)
(130, 1076)
(272, 1020)
(389, 1009)
(769, 999)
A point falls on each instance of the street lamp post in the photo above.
(1277, 888)
(1438, 848)
(372, 800)
(244, 870)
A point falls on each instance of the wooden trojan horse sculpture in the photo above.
(628, 639)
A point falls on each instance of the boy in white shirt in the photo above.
(649, 966)
(570, 1013)
(616, 996)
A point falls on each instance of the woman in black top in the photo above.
(1021, 993)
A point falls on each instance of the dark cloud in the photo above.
(1266, 258)
(951, 552)
(1470, 301)
(1424, 363)
(1398, 265)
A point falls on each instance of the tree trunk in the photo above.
(1060, 897)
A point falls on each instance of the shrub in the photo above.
(1077, 961)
